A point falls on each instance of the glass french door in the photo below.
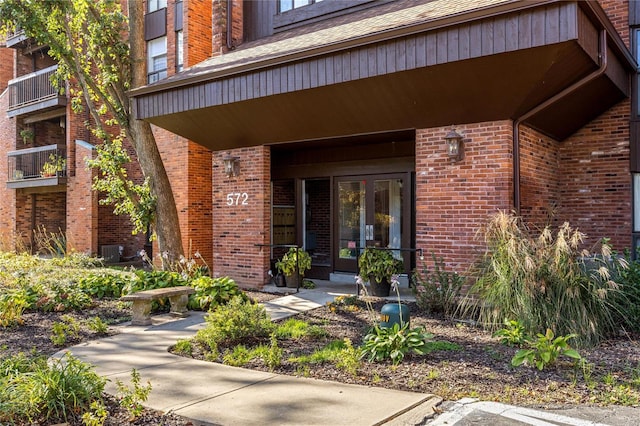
(370, 212)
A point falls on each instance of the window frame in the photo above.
(153, 74)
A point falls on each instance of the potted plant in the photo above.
(27, 134)
(54, 165)
(378, 265)
(293, 265)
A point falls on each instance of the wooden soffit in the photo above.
(460, 69)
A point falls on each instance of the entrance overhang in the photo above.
(461, 68)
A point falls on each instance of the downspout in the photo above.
(602, 58)
(230, 45)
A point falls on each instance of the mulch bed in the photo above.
(479, 366)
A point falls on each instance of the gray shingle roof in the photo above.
(374, 20)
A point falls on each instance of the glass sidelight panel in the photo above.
(351, 218)
(387, 214)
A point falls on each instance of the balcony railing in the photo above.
(41, 166)
(17, 39)
(34, 92)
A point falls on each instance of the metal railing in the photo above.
(33, 163)
(32, 88)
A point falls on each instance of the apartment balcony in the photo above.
(37, 167)
(17, 40)
(34, 93)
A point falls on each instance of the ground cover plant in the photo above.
(49, 304)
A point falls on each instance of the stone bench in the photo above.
(178, 298)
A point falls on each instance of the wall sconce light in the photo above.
(231, 165)
(454, 145)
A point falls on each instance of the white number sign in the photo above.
(237, 199)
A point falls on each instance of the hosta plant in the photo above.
(383, 343)
(545, 350)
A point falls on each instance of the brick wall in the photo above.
(595, 186)
(199, 30)
(7, 59)
(219, 26)
(618, 12)
(454, 199)
(539, 177)
(7, 196)
(238, 228)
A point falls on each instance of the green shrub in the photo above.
(48, 392)
(67, 328)
(132, 398)
(340, 352)
(545, 282)
(545, 350)
(239, 356)
(512, 334)
(210, 292)
(12, 306)
(97, 325)
(394, 343)
(184, 347)
(60, 296)
(104, 284)
(234, 322)
(437, 290)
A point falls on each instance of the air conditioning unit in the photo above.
(111, 253)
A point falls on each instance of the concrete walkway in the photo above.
(210, 393)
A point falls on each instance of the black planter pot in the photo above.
(279, 280)
(380, 289)
(292, 281)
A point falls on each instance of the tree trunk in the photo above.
(167, 225)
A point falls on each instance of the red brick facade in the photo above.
(242, 217)
(454, 199)
(584, 180)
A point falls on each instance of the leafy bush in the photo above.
(12, 305)
(545, 350)
(437, 290)
(545, 282)
(394, 343)
(67, 328)
(104, 284)
(36, 391)
(132, 398)
(60, 296)
(378, 264)
(211, 292)
(512, 334)
(234, 322)
(97, 325)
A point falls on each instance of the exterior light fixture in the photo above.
(231, 165)
(454, 145)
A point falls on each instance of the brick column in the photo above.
(241, 217)
(82, 201)
(453, 199)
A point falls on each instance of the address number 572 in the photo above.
(237, 199)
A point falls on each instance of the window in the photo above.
(286, 5)
(154, 5)
(156, 59)
(179, 51)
